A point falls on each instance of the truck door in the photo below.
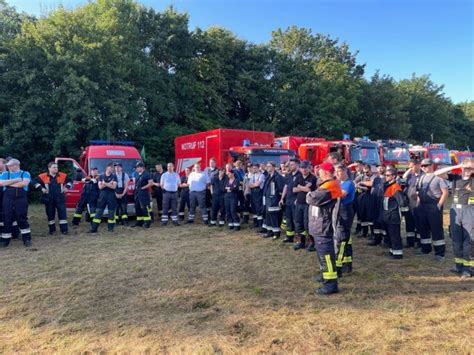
(212, 144)
(72, 168)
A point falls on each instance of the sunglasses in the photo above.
(388, 175)
(425, 166)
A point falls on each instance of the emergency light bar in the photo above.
(123, 143)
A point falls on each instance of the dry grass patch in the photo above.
(198, 290)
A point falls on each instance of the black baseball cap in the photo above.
(139, 165)
(117, 164)
(426, 162)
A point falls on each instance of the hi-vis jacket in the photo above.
(393, 201)
(323, 208)
(55, 186)
(272, 190)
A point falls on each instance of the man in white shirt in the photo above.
(169, 182)
(198, 181)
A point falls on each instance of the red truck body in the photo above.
(227, 145)
(438, 153)
(98, 155)
(364, 150)
(395, 153)
(294, 142)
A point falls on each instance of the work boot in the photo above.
(288, 240)
(236, 228)
(324, 291)
(311, 248)
(4, 242)
(146, 225)
(268, 234)
(76, 221)
(276, 235)
(27, 243)
(189, 221)
(94, 227)
(339, 272)
(347, 268)
(456, 270)
(466, 275)
(231, 227)
(300, 244)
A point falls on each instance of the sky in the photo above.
(396, 37)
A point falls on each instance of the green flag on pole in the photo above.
(143, 153)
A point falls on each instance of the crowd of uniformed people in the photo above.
(315, 207)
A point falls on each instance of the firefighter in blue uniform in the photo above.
(344, 221)
(121, 214)
(15, 202)
(143, 183)
(89, 197)
(184, 194)
(54, 185)
(217, 190)
(322, 203)
(107, 186)
(461, 225)
(411, 177)
(256, 179)
(2, 170)
(272, 192)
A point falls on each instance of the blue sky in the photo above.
(398, 37)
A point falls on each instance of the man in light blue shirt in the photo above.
(169, 182)
(198, 181)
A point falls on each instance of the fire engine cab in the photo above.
(226, 146)
(395, 153)
(350, 150)
(438, 153)
(97, 155)
(294, 142)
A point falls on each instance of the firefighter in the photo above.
(157, 189)
(378, 190)
(239, 173)
(231, 197)
(305, 182)
(392, 203)
(218, 189)
(184, 193)
(432, 193)
(461, 224)
(322, 203)
(288, 199)
(15, 202)
(170, 182)
(3, 168)
(256, 180)
(411, 177)
(53, 185)
(272, 192)
(143, 183)
(198, 181)
(365, 203)
(107, 184)
(89, 197)
(344, 221)
(357, 176)
(121, 214)
(211, 171)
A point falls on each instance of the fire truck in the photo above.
(228, 145)
(294, 142)
(395, 153)
(97, 155)
(438, 153)
(351, 150)
(457, 157)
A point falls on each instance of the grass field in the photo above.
(191, 289)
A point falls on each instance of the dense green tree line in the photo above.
(113, 69)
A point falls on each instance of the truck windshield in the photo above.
(396, 154)
(440, 156)
(368, 155)
(263, 159)
(100, 163)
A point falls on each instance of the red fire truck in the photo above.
(294, 142)
(98, 154)
(438, 153)
(228, 145)
(395, 153)
(351, 150)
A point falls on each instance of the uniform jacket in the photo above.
(56, 186)
(272, 190)
(323, 208)
(393, 201)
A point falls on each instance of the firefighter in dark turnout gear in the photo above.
(411, 177)
(184, 194)
(15, 202)
(107, 186)
(217, 190)
(366, 201)
(344, 222)
(142, 197)
(256, 179)
(288, 198)
(322, 203)
(54, 184)
(305, 182)
(3, 168)
(89, 197)
(121, 192)
(272, 191)
(158, 190)
(393, 201)
(231, 199)
(432, 193)
(461, 225)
